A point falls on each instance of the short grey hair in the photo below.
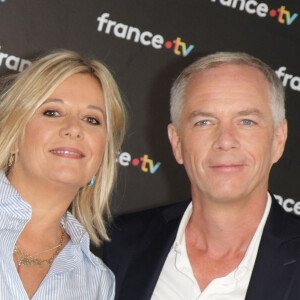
(277, 94)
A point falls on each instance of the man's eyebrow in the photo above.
(200, 113)
(250, 111)
(244, 112)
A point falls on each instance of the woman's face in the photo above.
(65, 140)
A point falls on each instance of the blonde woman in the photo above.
(61, 125)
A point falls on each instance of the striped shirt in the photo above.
(75, 274)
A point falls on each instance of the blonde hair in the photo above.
(26, 91)
(277, 95)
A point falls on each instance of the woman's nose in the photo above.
(71, 128)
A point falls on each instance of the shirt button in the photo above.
(226, 281)
(240, 273)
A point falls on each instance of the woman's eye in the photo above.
(51, 113)
(92, 120)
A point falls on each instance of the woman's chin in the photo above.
(69, 181)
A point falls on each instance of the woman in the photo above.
(61, 126)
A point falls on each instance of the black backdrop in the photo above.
(146, 47)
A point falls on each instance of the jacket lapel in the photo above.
(276, 263)
(150, 254)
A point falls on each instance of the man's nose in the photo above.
(226, 138)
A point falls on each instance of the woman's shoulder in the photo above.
(96, 264)
(80, 244)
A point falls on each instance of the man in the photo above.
(232, 241)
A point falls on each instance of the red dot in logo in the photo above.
(135, 162)
(273, 13)
(168, 44)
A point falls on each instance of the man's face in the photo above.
(226, 139)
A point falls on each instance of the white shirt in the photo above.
(177, 281)
(75, 273)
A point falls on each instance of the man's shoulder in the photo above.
(139, 221)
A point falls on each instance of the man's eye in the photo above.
(247, 122)
(203, 123)
(51, 113)
(92, 120)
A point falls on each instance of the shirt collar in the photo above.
(14, 206)
(250, 255)
(180, 237)
(11, 202)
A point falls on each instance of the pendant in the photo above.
(19, 267)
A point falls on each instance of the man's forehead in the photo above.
(233, 75)
(231, 87)
(230, 68)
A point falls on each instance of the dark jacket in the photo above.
(141, 243)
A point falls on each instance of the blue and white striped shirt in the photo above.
(75, 274)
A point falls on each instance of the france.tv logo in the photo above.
(283, 15)
(146, 38)
(262, 10)
(146, 164)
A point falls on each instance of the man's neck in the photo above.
(225, 227)
(217, 237)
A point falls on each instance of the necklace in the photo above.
(28, 260)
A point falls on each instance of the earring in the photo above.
(92, 181)
(11, 159)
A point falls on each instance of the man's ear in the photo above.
(175, 142)
(280, 137)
